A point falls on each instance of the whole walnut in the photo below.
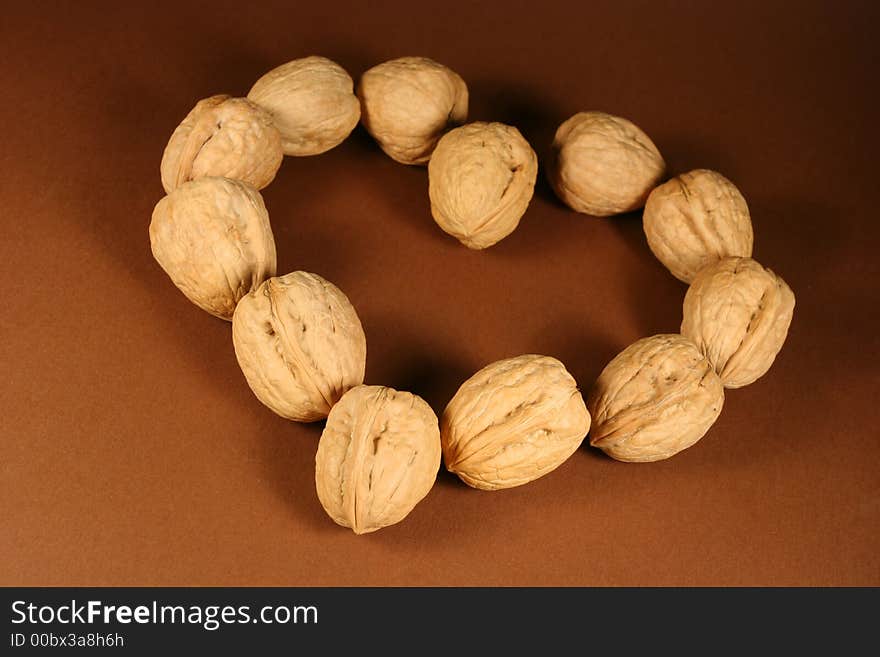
(300, 345)
(377, 458)
(657, 397)
(223, 136)
(695, 219)
(312, 102)
(481, 179)
(512, 422)
(212, 237)
(738, 314)
(603, 165)
(408, 103)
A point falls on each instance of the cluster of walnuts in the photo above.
(302, 348)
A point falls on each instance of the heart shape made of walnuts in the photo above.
(300, 343)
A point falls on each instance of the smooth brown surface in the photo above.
(133, 451)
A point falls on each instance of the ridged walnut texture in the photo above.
(408, 103)
(377, 458)
(512, 422)
(481, 178)
(300, 345)
(223, 136)
(657, 397)
(213, 239)
(312, 102)
(738, 314)
(695, 219)
(603, 165)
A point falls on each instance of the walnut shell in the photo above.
(512, 422)
(603, 165)
(695, 219)
(223, 136)
(377, 458)
(212, 237)
(300, 345)
(312, 102)
(481, 178)
(408, 103)
(655, 398)
(738, 314)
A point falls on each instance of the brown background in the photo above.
(133, 450)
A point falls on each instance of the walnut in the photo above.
(312, 102)
(738, 314)
(377, 458)
(512, 422)
(603, 164)
(212, 237)
(481, 179)
(223, 136)
(300, 345)
(657, 397)
(695, 219)
(408, 103)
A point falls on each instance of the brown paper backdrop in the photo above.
(133, 450)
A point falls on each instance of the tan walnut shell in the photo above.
(603, 165)
(377, 458)
(695, 219)
(223, 136)
(512, 422)
(738, 314)
(657, 397)
(408, 103)
(212, 237)
(481, 178)
(312, 102)
(300, 345)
